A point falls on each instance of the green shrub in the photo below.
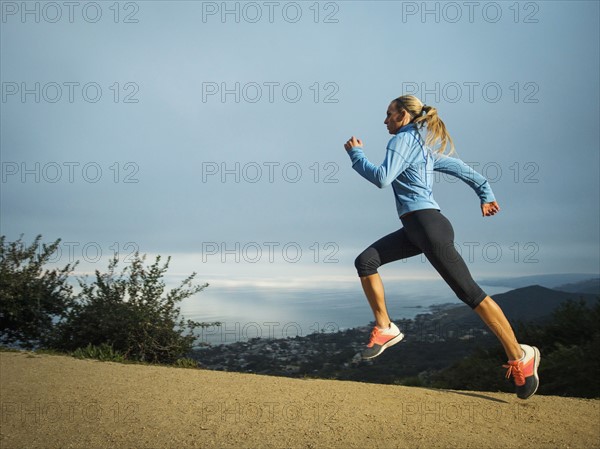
(31, 298)
(131, 312)
(186, 362)
(104, 352)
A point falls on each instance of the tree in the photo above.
(570, 346)
(131, 312)
(31, 298)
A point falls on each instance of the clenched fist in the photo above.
(353, 142)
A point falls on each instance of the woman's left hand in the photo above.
(488, 209)
(353, 142)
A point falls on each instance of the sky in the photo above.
(213, 132)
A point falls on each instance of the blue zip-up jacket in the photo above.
(408, 166)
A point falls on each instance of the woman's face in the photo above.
(394, 119)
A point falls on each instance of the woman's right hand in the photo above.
(353, 142)
(488, 209)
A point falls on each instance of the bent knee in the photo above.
(367, 262)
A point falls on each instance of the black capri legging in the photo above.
(425, 231)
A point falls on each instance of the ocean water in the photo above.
(247, 312)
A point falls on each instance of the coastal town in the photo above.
(337, 354)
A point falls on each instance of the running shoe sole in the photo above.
(521, 391)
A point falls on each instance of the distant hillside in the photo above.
(433, 341)
(533, 303)
(591, 286)
(545, 280)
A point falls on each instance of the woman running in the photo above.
(413, 153)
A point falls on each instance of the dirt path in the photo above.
(61, 402)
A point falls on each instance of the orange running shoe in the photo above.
(524, 372)
(381, 339)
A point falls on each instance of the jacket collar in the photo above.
(407, 127)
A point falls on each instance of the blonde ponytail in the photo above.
(437, 135)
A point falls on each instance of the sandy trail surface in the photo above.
(50, 401)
